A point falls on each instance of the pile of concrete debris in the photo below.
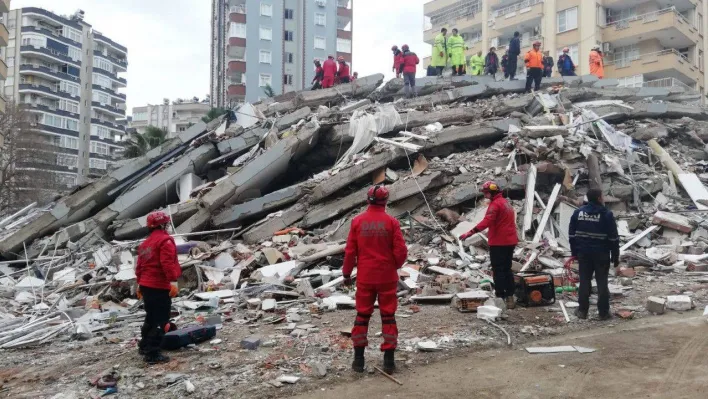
(261, 201)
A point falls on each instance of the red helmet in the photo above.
(316, 60)
(537, 43)
(490, 186)
(404, 47)
(157, 219)
(394, 48)
(330, 56)
(340, 59)
(377, 195)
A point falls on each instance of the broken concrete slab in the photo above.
(603, 83)
(292, 118)
(265, 230)
(241, 143)
(129, 229)
(359, 88)
(536, 132)
(673, 221)
(259, 206)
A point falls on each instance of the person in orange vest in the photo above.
(597, 67)
(534, 67)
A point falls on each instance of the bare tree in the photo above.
(26, 162)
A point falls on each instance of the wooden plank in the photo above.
(638, 237)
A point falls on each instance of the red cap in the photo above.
(157, 219)
(377, 195)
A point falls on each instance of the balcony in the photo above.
(517, 17)
(667, 25)
(236, 67)
(4, 6)
(53, 35)
(51, 129)
(121, 64)
(109, 109)
(121, 81)
(110, 125)
(113, 93)
(237, 14)
(3, 107)
(41, 89)
(110, 43)
(463, 24)
(680, 4)
(3, 70)
(475, 46)
(50, 16)
(47, 73)
(465, 15)
(4, 35)
(662, 64)
(51, 110)
(49, 54)
(237, 90)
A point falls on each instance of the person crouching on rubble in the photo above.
(376, 247)
(156, 268)
(595, 243)
(501, 221)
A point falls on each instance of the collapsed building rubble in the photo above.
(261, 203)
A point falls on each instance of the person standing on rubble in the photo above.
(514, 52)
(534, 67)
(319, 75)
(376, 247)
(439, 53)
(547, 64)
(410, 64)
(505, 64)
(595, 243)
(491, 63)
(156, 268)
(343, 72)
(329, 71)
(501, 221)
(596, 64)
(397, 61)
(456, 53)
(566, 67)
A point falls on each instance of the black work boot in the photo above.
(581, 315)
(389, 365)
(605, 316)
(358, 363)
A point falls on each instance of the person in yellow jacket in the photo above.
(534, 67)
(456, 53)
(440, 52)
(477, 64)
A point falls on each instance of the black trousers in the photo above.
(501, 258)
(439, 70)
(511, 65)
(344, 79)
(598, 264)
(157, 316)
(533, 75)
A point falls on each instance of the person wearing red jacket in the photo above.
(397, 61)
(376, 247)
(410, 64)
(329, 69)
(501, 221)
(319, 75)
(156, 268)
(343, 72)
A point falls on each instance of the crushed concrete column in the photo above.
(594, 172)
(131, 229)
(275, 223)
(259, 206)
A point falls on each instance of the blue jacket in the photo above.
(565, 63)
(593, 230)
(515, 46)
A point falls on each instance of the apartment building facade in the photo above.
(173, 116)
(274, 42)
(67, 75)
(646, 43)
(4, 38)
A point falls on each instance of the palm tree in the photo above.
(213, 114)
(268, 90)
(139, 144)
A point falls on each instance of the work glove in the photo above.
(173, 290)
(442, 53)
(139, 293)
(469, 234)
(347, 281)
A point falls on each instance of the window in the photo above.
(344, 45)
(10, 61)
(34, 40)
(266, 10)
(631, 81)
(70, 88)
(70, 161)
(320, 19)
(101, 80)
(288, 36)
(52, 120)
(289, 13)
(72, 34)
(264, 57)
(619, 15)
(66, 142)
(102, 63)
(72, 124)
(100, 131)
(625, 55)
(287, 79)
(700, 60)
(266, 33)
(140, 116)
(69, 106)
(99, 148)
(67, 180)
(288, 57)
(101, 97)
(95, 163)
(320, 43)
(237, 30)
(264, 79)
(74, 53)
(567, 19)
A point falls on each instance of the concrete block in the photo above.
(259, 206)
(251, 343)
(241, 143)
(602, 83)
(355, 105)
(292, 118)
(679, 302)
(588, 80)
(656, 93)
(506, 87)
(360, 88)
(266, 230)
(673, 221)
(572, 81)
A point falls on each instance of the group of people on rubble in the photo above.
(538, 64)
(377, 249)
(331, 73)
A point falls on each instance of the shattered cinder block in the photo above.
(251, 343)
(679, 302)
(656, 305)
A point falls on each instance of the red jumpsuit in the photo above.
(319, 72)
(376, 246)
(398, 63)
(330, 70)
(343, 73)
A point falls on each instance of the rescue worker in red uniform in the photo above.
(501, 221)
(319, 75)
(343, 72)
(329, 69)
(156, 268)
(410, 64)
(376, 247)
(397, 61)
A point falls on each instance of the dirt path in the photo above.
(658, 358)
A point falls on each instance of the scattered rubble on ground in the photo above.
(262, 202)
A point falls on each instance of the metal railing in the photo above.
(625, 62)
(669, 82)
(515, 7)
(648, 17)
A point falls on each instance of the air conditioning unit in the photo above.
(321, 3)
(606, 47)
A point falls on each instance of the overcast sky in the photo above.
(168, 41)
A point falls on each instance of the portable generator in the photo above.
(535, 289)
